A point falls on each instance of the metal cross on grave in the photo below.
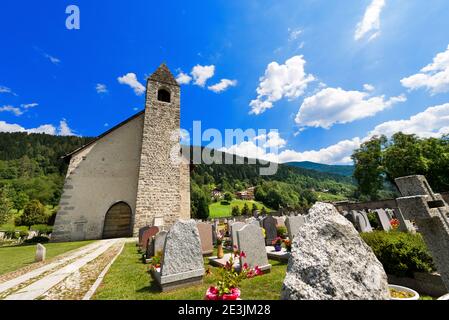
(430, 212)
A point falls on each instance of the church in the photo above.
(127, 178)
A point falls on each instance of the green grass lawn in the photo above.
(16, 257)
(128, 279)
(217, 210)
(323, 196)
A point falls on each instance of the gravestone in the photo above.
(269, 224)
(214, 233)
(293, 224)
(251, 241)
(205, 231)
(146, 239)
(430, 213)
(280, 221)
(404, 224)
(41, 252)
(363, 222)
(141, 231)
(159, 242)
(330, 261)
(236, 227)
(384, 221)
(182, 262)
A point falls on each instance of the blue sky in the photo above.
(326, 74)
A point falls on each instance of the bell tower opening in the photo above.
(163, 95)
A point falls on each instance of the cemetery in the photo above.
(398, 253)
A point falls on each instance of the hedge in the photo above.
(400, 253)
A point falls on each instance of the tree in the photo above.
(5, 207)
(33, 213)
(368, 166)
(236, 211)
(245, 210)
(228, 196)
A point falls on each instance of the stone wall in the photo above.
(99, 176)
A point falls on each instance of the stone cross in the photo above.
(430, 213)
(41, 251)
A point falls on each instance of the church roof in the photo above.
(163, 74)
(68, 156)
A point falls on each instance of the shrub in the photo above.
(225, 203)
(42, 228)
(245, 210)
(39, 239)
(372, 218)
(282, 232)
(33, 213)
(236, 211)
(400, 253)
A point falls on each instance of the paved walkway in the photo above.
(37, 288)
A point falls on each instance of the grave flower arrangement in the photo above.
(156, 261)
(288, 245)
(277, 243)
(394, 223)
(227, 287)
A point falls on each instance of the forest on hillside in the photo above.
(32, 171)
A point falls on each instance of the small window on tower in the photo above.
(163, 95)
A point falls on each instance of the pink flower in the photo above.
(245, 266)
(242, 254)
(258, 271)
(212, 294)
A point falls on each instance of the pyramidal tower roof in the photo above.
(163, 74)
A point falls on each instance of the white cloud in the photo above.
(271, 140)
(335, 105)
(370, 24)
(432, 122)
(29, 105)
(369, 87)
(52, 59)
(222, 85)
(287, 80)
(183, 78)
(4, 89)
(14, 110)
(294, 34)
(130, 79)
(8, 127)
(101, 88)
(434, 77)
(202, 73)
(64, 129)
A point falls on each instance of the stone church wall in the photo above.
(99, 176)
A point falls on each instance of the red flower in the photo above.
(245, 266)
(258, 271)
(242, 254)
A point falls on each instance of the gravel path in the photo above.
(53, 274)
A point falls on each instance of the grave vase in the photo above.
(277, 247)
(220, 253)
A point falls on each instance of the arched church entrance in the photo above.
(117, 223)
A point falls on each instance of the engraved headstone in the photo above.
(293, 224)
(236, 227)
(182, 262)
(146, 239)
(141, 231)
(269, 224)
(205, 230)
(41, 252)
(251, 241)
(159, 242)
(383, 219)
